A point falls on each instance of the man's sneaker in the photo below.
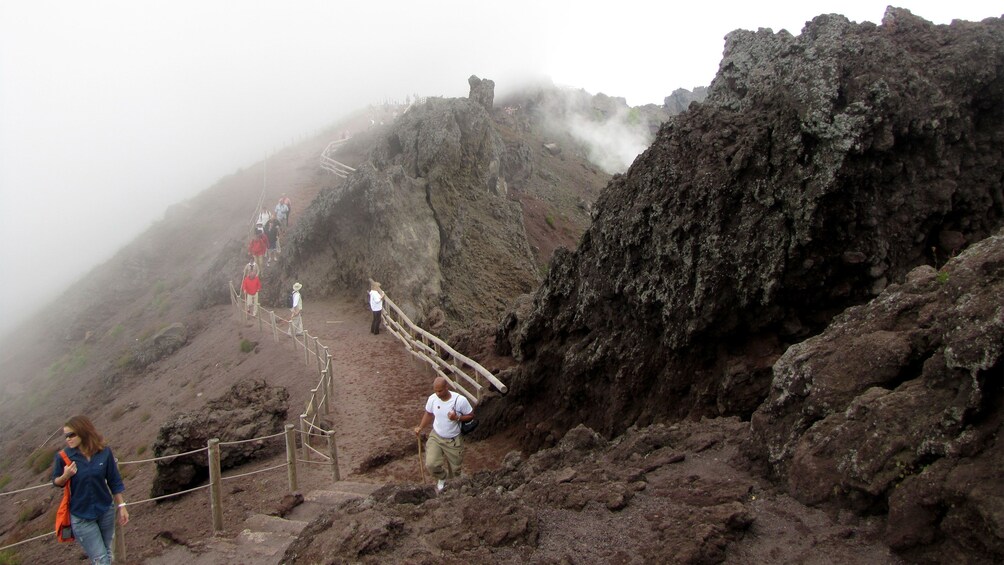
(440, 485)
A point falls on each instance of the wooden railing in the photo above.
(328, 163)
(319, 403)
(215, 485)
(464, 374)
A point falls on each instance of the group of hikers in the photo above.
(264, 248)
(445, 410)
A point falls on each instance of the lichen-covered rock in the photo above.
(898, 404)
(250, 409)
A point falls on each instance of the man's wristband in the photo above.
(122, 505)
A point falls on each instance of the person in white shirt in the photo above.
(376, 305)
(445, 410)
(295, 321)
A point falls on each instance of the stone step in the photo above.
(264, 539)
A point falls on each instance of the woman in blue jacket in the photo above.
(95, 488)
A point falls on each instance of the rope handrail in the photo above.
(25, 489)
(162, 497)
(323, 431)
(162, 457)
(254, 472)
(38, 537)
(324, 456)
(239, 441)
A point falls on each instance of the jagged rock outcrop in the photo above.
(250, 409)
(425, 216)
(900, 404)
(482, 92)
(820, 169)
(681, 99)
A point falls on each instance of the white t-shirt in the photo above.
(442, 424)
(376, 301)
(297, 301)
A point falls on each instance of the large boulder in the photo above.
(250, 409)
(820, 169)
(898, 404)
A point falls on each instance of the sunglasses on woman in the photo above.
(71, 435)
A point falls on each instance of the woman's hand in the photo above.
(69, 471)
(123, 515)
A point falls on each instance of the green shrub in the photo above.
(29, 512)
(550, 220)
(942, 276)
(247, 346)
(144, 417)
(42, 459)
(116, 331)
(8, 557)
(71, 362)
(141, 450)
(4, 480)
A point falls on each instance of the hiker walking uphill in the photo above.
(282, 210)
(272, 232)
(96, 488)
(445, 410)
(250, 287)
(295, 309)
(258, 247)
(286, 208)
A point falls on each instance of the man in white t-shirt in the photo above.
(376, 305)
(295, 320)
(445, 410)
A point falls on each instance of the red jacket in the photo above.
(251, 285)
(258, 245)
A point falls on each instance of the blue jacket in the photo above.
(91, 489)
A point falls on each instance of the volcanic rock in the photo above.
(727, 240)
(250, 409)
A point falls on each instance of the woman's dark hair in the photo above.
(91, 441)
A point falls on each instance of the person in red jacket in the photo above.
(258, 247)
(250, 288)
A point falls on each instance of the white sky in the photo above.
(112, 110)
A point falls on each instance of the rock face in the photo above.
(898, 404)
(250, 409)
(425, 216)
(820, 169)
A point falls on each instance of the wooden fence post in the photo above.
(327, 391)
(333, 453)
(312, 404)
(306, 349)
(275, 331)
(331, 369)
(215, 485)
(317, 352)
(305, 437)
(291, 456)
